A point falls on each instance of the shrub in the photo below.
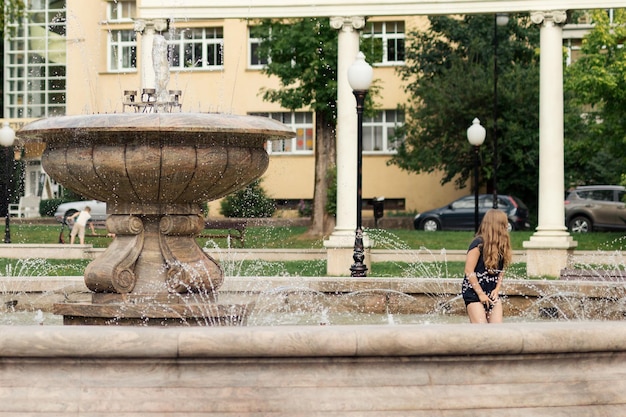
(48, 207)
(304, 209)
(248, 202)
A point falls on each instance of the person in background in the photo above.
(82, 217)
(488, 256)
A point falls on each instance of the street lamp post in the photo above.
(499, 19)
(7, 138)
(476, 136)
(359, 77)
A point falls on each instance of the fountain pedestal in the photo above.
(154, 171)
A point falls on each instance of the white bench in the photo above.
(27, 207)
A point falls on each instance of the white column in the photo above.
(341, 242)
(348, 48)
(147, 29)
(551, 237)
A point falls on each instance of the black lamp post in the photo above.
(499, 19)
(359, 77)
(7, 138)
(476, 136)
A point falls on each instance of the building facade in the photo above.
(76, 57)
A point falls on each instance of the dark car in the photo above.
(459, 215)
(595, 207)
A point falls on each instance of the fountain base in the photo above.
(153, 310)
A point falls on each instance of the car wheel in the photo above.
(510, 227)
(69, 213)
(580, 224)
(431, 225)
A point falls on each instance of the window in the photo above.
(601, 195)
(464, 203)
(387, 37)
(379, 132)
(35, 75)
(301, 123)
(254, 41)
(122, 50)
(121, 11)
(197, 48)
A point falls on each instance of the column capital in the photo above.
(151, 25)
(347, 23)
(548, 16)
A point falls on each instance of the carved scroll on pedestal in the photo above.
(189, 268)
(114, 270)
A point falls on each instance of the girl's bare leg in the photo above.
(476, 313)
(495, 315)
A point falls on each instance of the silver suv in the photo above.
(595, 207)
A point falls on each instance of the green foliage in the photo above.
(12, 11)
(270, 237)
(305, 209)
(450, 78)
(248, 202)
(596, 85)
(70, 195)
(302, 53)
(48, 207)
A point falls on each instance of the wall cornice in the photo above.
(244, 9)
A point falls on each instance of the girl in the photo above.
(487, 257)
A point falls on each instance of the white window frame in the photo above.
(378, 132)
(210, 38)
(116, 47)
(121, 10)
(300, 122)
(393, 31)
(253, 44)
(35, 83)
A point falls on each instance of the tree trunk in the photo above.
(325, 159)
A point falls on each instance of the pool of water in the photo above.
(40, 318)
(35, 318)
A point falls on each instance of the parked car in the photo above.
(459, 214)
(595, 207)
(98, 210)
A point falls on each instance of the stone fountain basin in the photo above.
(145, 162)
(154, 171)
(523, 369)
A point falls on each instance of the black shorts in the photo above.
(470, 296)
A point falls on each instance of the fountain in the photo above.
(154, 171)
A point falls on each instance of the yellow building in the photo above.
(79, 57)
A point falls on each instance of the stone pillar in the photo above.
(340, 244)
(549, 247)
(147, 29)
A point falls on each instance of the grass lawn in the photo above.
(295, 238)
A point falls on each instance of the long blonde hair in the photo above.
(496, 242)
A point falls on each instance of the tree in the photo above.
(596, 83)
(449, 71)
(11, 12)
(302, 53)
